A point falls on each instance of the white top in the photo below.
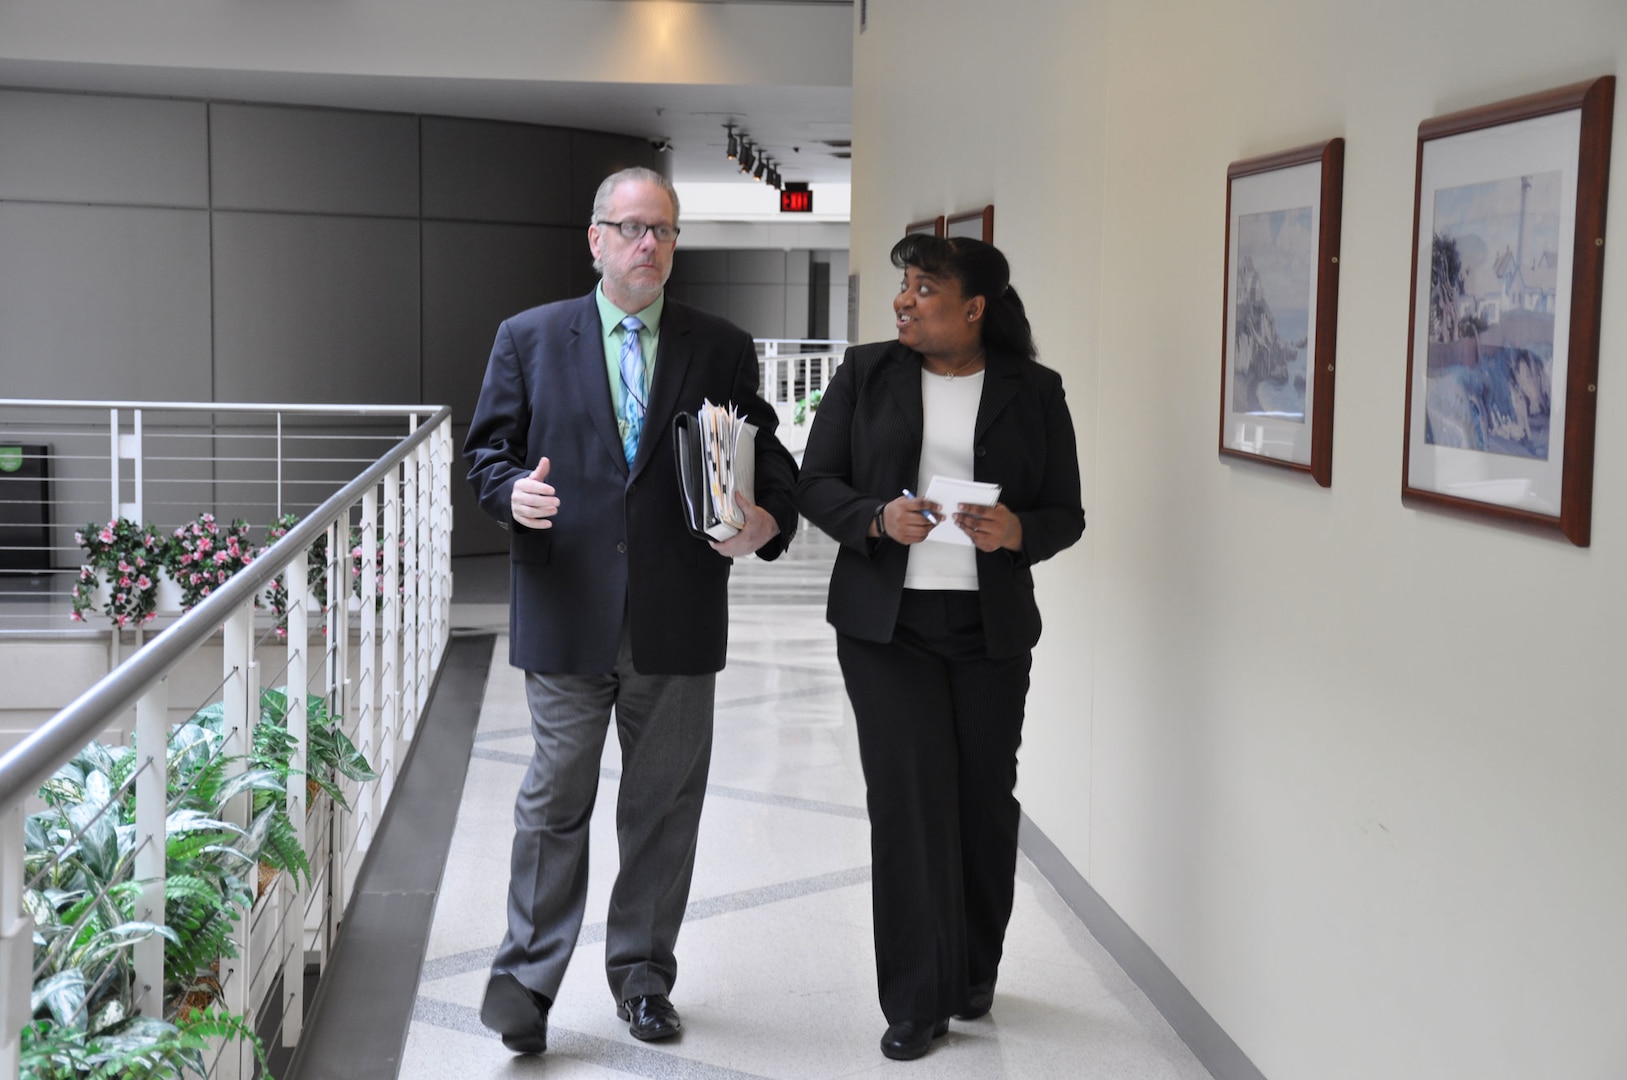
(949, 425)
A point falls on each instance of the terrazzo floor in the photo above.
(776, 971)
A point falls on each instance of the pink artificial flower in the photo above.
(106, 536)
(205, 544)
(124, 567)
(194, 578)
(247, 559)
(121, 619)
(144, 582)
(141, 564)
(221, 557)
(222, 577)
(150, 616)
(76, 617)
(85, 573)
(79, 538)
(208, 517)
(124, 582)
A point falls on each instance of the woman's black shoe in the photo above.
(979, 1000)
(909, 1040)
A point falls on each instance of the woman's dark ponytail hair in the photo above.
(980, 270)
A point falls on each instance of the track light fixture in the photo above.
(751, 159)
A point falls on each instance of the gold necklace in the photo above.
(974, 361)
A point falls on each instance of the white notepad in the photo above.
(949, 493)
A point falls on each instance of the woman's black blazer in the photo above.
(865, 448)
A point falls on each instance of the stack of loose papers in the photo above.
(949, 493)
(717, 457)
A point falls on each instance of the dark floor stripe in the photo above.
(462, 963)
(716, 791)
(359, 1015)
(627, 1057)
(783, 695)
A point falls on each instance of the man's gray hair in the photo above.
(638, 173)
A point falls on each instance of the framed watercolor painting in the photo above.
(1281, 307)
(930, 227)
(1503, 335)
(977, 224)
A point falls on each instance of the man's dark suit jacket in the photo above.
(865, 448)
(619, 547)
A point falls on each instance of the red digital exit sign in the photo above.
(796, 199)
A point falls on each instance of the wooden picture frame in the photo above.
(1280, 308)
(1503, 333)
(977, 224)
(929, 227)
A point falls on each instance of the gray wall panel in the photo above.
(595, 156)
(796, 267)
(757, 267)
(104, 301)
(313, 160)
(708, 266)
(713, 299)
(758, 309)
(796, 311)
(475, 276)
(485, 171)
(316, 309)
(81, 148)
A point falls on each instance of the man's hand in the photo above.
(533, 500)
(760, 529)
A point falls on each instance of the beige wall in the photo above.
(1356, 772)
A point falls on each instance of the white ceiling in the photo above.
(794, 124)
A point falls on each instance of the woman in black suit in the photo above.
(934, 639)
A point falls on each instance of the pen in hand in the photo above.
(908, 494)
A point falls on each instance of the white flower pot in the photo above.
(169, 593)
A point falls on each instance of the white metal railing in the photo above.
(161, 462)
(791, 377)
(372, 664)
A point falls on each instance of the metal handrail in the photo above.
(214, 406)
(34, 760)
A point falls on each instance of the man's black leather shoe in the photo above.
(909, 1040)
(979, 1000)
(517, 1013)
(650, 1017)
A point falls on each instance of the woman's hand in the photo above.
(909, 520)
(990, 527)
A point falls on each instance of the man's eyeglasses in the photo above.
(635, 230)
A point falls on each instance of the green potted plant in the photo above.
(120, 575)
(203, 556)
(806, 407)
(77, 858)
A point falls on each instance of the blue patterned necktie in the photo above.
(632, 379)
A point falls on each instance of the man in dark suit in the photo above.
(615, 604)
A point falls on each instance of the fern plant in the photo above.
(330, 753)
